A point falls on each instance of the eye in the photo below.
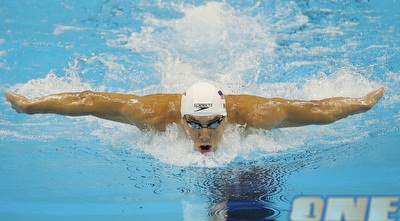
(215, 124)
(193, 125)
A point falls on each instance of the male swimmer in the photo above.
(203, 111)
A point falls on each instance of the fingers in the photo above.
(15, 98)
(11, 96)
(8, 96)
(17, 101)
(376, 94)
(373, 97)
(379, 93)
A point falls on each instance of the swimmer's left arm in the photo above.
(268, 113)
(325, 111)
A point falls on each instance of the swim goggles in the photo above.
(214, 124)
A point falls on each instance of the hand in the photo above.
(373, 97)
(18, 102)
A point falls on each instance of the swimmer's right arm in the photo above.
(124, 108)
(104, 105)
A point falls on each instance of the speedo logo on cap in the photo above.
(202, 106)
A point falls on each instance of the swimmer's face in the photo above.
(205, 131)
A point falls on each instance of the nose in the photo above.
(205, 134)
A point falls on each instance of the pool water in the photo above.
(64, 168)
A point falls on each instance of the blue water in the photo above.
(63, 168)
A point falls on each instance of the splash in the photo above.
(236, 49)
(52, 83)
(213, 41)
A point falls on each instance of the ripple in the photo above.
(184, 190)
(217, 211)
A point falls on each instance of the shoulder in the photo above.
(254, 111)
(239, 106)
(157, 102)
(154, 111)
(161, 97)
(245, 100)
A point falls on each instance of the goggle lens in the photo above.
(211, 125)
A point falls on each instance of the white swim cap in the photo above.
(203, 99)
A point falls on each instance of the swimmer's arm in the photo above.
(266, 113)
(325, 111)
(145, 112)
(99, 104)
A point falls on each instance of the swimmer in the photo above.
(203, 111)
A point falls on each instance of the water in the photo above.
(56, 167)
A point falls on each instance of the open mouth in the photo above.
(205, 148)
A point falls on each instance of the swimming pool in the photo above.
(55, 167)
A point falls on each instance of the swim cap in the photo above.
(203, 99)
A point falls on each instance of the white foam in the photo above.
(50, 84)
(209, 42)
(3, 53)
(59, 29)
(3, 64)
(288, 16)
(174, 147)
(342, 83)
